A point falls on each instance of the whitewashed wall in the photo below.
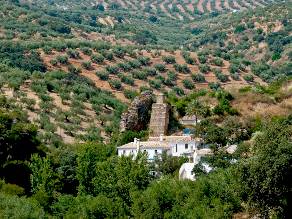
(178, 149)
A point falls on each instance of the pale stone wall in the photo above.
(159, 117)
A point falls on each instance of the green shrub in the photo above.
(202, 59)
(111, 69)
(87, 65)
(217, 61)
(204, 68)
(73, 54)
(150, 71)
(239, 28)
(214, 86)
(198, 78)
(135, 63)
(103, 75)
(169, 59)
(141, 75)
(108, 55)
(144, 60)
(188, 84)
(248, 78)
(74, 70)
(124, 66)
(54, 62)
(172, 75)
(222, 77)
(235, 77)
(127, 79)
(86, 51)
(156, 84)
(130, 94)
(188, 59)
(119, 52)
(182, 68)
(98, 59)
(160, 67)
(62, 59)
(179, 91)
(116, 84)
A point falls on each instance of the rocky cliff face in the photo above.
(138, 114)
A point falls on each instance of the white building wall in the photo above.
(152, 152)
(127, 152)
(178, 149)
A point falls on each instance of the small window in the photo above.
(176, 148)
(124, 151)
(186, 146)
(155, 151)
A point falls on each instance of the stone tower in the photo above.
(159, 117)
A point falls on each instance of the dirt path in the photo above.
(190, 7)
(208, 6)
(122, 3)
(142, 5)
(218, 5)
(227, 6)
(162, 7)
(238, 6)
(131, 5)
(183, 11)
(153, 7)
(200, 6)
(247, 4)
(258, 3)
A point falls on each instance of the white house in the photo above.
(173, 145)
(153, 148)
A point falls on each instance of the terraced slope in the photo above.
(71, 71)
(177, 10)
(157, 69)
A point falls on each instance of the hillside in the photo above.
(71, 70)
(228, 50)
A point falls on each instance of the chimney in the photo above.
(138, 144)
(161, 137)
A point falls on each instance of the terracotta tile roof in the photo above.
(146, 145)
(154, 142)
(175, 139)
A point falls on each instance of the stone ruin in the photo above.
(159, 117)
(137, 117)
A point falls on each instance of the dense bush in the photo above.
(160, 67)
(188, 84)
(169, 59)
(248, 78)
(98, 59)
(182, 68)
(115, 84)
(198, 78)
(112, 69)
(204, 68)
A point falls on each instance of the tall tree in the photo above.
(267, 174)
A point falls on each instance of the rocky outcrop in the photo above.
(137, 117)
